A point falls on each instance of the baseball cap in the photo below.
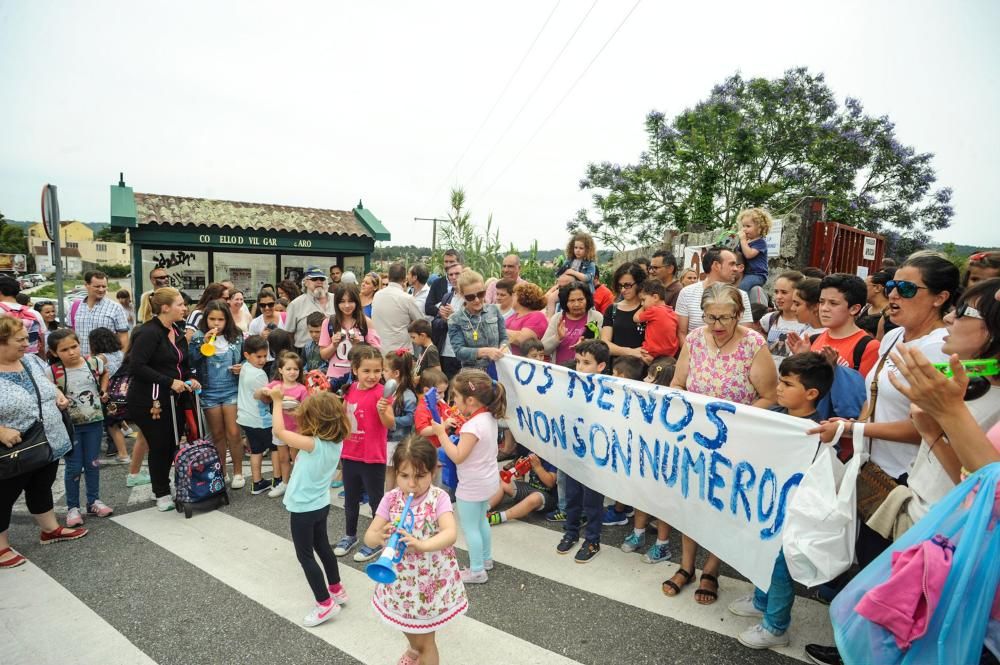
(313, 272)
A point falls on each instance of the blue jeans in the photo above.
(84, 457)
(476, 528)
(776, 604)
(561, 487)
(750, 281)
(581, 499)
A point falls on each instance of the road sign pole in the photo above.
(50, 220)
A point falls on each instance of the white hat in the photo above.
(348, 278)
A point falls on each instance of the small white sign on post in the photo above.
(869, 251)
(774, 239)
(863, 272)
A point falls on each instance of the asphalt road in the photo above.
(224, 587)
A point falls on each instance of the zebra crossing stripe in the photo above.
(69, 632)
(235, 552)
(625, 578)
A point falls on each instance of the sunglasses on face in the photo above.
(966, 310)
(472, 297)
(164, 278)
(906, 289)
(625, 285)
(266, 305)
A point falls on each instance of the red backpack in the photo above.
(27, 317)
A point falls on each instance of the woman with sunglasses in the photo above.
(476, 330)
(621, 333)
(269, 319)
(920, 294)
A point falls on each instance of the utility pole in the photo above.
(434, 233)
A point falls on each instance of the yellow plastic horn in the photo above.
(208, 348)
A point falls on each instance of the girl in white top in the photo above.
(481, 400)
(783, 321)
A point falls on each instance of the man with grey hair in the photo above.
(509, 269)
(314, 298)
(393, 310)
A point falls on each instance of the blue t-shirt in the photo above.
(758, 264)
(251, 412)
(309, 488)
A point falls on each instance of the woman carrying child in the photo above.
(481, 400)
(428, 592)
(322, 424)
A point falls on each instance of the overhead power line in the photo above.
(560, 102)
(496, 103)
(531, 95)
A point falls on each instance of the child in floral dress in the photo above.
(428, 592)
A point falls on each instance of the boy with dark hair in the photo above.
(804, 379)
(841, 298)
(423, 347)
(310, 352)
(536, 493)
(660, 338)
(628, 367)
(591, 356)
(533, 348)
(253, 415)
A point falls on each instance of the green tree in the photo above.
(109, 235)
(480, 249)
(761, 142)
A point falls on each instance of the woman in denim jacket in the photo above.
(476, 330)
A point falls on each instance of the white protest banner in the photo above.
(720, 472)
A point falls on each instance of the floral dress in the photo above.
(428, 592)
(726, 375)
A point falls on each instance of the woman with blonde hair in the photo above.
(476, 330)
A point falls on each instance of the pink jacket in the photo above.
(905, 603)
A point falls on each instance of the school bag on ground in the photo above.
(198, 473)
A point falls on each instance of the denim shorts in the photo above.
(211, 398)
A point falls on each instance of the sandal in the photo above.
(708, 596)
(14, 561)
(409, 657)
(673, 588)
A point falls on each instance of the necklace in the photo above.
(475, 333)
(719, 347)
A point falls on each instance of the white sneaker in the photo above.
(73, 518)
(238, 482)
(488, 564)
(339, 597)
(278, 490)
(165, 503)
(759, 637)
(744, 607)
(320, 614)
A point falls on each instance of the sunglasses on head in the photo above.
(472, 297)
(906, 289)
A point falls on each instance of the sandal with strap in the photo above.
(708, 596)
(14, 561)
(409, 657)
(673, 588)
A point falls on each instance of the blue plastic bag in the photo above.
(968, 516)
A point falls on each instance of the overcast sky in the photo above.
(321, 104)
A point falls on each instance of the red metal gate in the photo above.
(841, 248)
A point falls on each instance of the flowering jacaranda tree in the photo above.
(761, 142)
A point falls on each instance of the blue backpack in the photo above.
(846, 397)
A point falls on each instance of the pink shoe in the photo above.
(98, 509)
(474, 577)
(73, 518)
(339, 595)
(409, 657)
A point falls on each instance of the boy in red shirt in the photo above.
(434, 378)
(661, 321)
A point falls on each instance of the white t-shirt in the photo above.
(928, 480)
(256, 327)
(478, 479)
(689, 305)
(894, 457)
(778, 334)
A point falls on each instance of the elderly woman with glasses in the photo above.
(724, 360)
(476, 330)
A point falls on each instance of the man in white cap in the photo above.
(314, 298)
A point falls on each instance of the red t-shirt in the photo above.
(422, 417)
(661, 331)
(845, 349)
(603, 298)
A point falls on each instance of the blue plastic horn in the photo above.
(383, 569)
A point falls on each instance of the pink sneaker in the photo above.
(74, 518)
(339, 595)
(98, 509)
(474, 577)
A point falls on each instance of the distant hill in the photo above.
(962, 250)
